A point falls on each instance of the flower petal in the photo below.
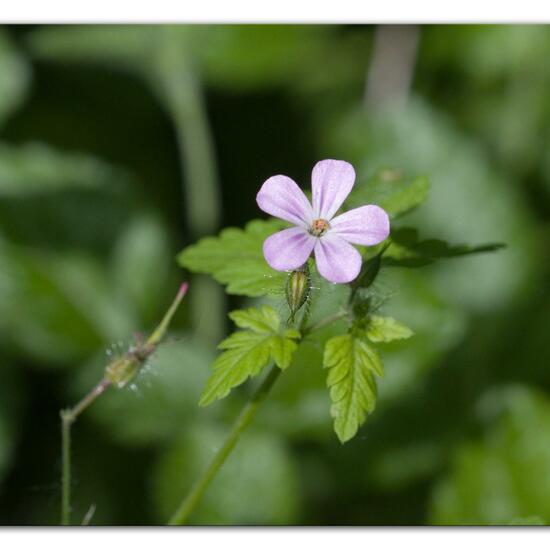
(331, 183)
(282, 198)
(367, 225)
(337, 261)
(288, 249)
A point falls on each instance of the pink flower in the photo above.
(315, 227)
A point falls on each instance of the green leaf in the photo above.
(140, 266)
(389, 189)
(37, 169)
(248, 352)
(421, 139)
(57, 307)
(233, 56)
(407, 250)
(252, 56)
(258, 320)
(235, 258)
(124, 46)
(15, 78)
(504, 473)
(353, 364)
(386, 329)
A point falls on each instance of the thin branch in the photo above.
(118, 373)
(186, 507)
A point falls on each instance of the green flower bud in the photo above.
(298, 289)
(120, 371)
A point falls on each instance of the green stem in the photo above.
(248, 413)
(68, 417)
(181, 92)
(245, 418)
(324, 323)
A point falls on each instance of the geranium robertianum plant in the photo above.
(294, 267)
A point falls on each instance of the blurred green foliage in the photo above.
(93, 212)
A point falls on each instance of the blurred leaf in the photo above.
(438, 325)
(258, 485)
(406, 250)
(251, 56)
(396, 468)
(468, 201)
(14, 79)
(386, 329)
(248, 352)
(162, 400)
(389, 189)
(235, 259)
(232, 56)
(123, 46)
(507, 473)
(140, 265)
(58, 308)
(353, 364)
(37, 168)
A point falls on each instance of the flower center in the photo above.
(319, 227)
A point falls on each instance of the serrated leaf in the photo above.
(407, 250)
(258, 320)
(248, 352)
(283, 348)
(386, 329)
(352, 364)
(235, 258)
(395, 193)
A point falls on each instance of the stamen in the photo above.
(319, 227)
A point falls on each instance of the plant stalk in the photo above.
(126, 369)
(182, 93)
(245, 418)
(68, 417)
(186, 507)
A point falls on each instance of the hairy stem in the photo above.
(186, 507)
(245, 418)
(324, 323)
(117, 373)
(68, 417)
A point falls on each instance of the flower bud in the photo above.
(120, 371)
(298, 289)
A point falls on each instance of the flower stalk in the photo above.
(248, 413)
(189, 503)
(117, 373)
